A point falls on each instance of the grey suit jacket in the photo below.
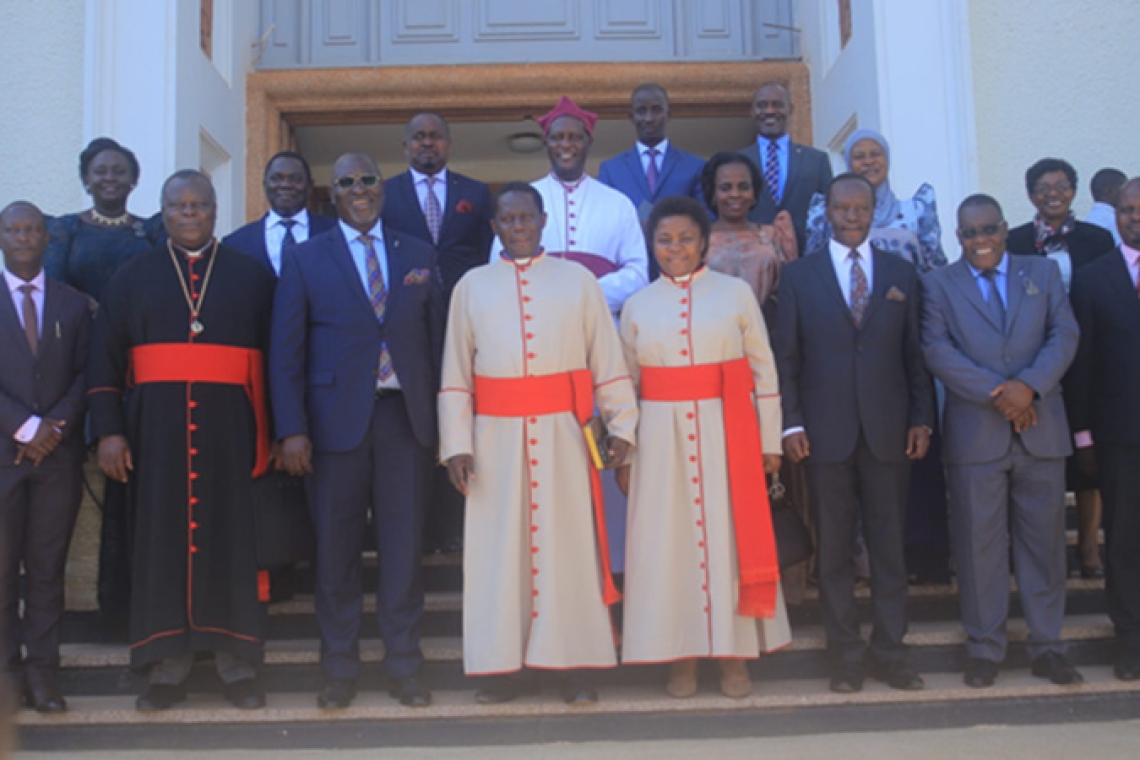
(968, 351)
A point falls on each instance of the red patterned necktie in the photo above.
(31, 322)
(378, 295)
(772, 172)
(433, 213)
(651, 170)
(859, 294)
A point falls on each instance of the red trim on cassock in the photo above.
(552, 394)
(732, 382)
(209, 363)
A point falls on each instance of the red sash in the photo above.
(552, 394)
(755, 541)
(210, 363)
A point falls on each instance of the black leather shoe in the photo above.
(160, 696)
(898, 675)
(410, 692)
(336, 694)
(245, 694)
(980, 672)
(1056, 668)
(1127, 668)
(847, 679)
(41, 694)
(577, 691)
(500, 689)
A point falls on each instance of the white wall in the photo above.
(1053, 78)
(41, 116)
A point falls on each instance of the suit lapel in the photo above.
(342, 258)
(633, 163)
(668, 163)
(830, 279)
(12, 320)
(794, 159)
(967, 286)
(407, 188)
(1120, 283)
(51, 313)
(261, 249)
(448, 203)
(1016, 281)
(881, 283)
(394, 256)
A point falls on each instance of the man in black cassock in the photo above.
(186, 325)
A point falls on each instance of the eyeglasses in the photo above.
(365, 180)
(1045, 189)
(972, 233)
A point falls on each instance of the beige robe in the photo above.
(681, 575)
(532, 583)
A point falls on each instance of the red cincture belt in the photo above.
(551, 394)
(208, 363)
(755, 541)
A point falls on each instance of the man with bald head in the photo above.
(185, 328)
(44, 329)
(793, 173)
(354, 371)
(1104, 409)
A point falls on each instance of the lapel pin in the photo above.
(57, 331)
(1030, 287)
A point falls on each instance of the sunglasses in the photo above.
(976, 232)
(365, 180)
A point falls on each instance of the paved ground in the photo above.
(1104, 741)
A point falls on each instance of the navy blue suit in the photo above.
(370, 450)
(465, 233)
(250, 238)
(680, 175)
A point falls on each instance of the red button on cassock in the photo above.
(530, 356)
(525, 282)
(692, 459)
(193, 426)
(684, 300)
(534, 463)
(692, 438)
(193, 476)
(193, 452)
(684, 352)
(533, 420)
(684, 314)
(193, 404)
(696, 480)
(533, 441)
(534, 484)
(193, 500)
(534, 614)
(193, 549)
(534, 550)
(530, 336)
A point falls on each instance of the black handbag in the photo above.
(793, 540)
(283, 530)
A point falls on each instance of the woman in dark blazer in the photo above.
(1055, 233)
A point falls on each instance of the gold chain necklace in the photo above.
(195, 306)
(110, 221)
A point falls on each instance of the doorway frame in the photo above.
(279, 101)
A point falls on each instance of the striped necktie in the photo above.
(378, 295)
(433, 213)
(772, 171)
(860, 296)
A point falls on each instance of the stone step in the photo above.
(450, 649)
(375, 706)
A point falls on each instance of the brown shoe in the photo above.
(682, 679)
(734, 679)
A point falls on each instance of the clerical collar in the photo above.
(570, 186)
(523, 263)
(684, 279)
(194, 255)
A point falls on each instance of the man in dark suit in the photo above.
(452, 214)
(287, 183)
(44, 330)
(354, 370)
(1104, 410)
(446, 210)
(857, 407)
(997, 330)
(793, 173)
(653, 168)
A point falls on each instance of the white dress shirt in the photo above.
(419, 179)
(360, 261)
(31, 426)
(1104, 215)
(275, 234)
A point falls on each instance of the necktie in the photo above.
(772, 172)
(378, 295)
(859, 294)
(31, 323)
(432, 211)
(993, 297)
(288, 241)
(651, 170)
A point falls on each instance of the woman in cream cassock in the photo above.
(701, 574)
